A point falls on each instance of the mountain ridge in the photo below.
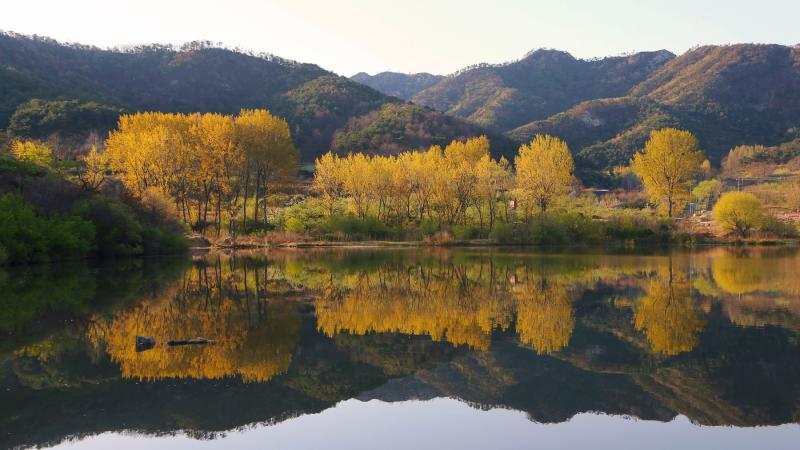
(195, 77)
(604, 108)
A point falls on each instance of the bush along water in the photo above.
(99, 226)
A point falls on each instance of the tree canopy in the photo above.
(667, 166)
(204, 161)
(544, 171)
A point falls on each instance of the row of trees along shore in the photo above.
(220, 171)
(204, 162)
(445, 183)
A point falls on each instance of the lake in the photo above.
(410, 348)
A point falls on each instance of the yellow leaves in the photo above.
(32, 151)
(668, 315)
(667, 165)
(328, 179)
(451, 303)
(265, 139)
(198, 158)
(739, 275)
(738, 212)
(545, 317)
(251, 341)
(93, 174)
(445, 182)
(544, 171)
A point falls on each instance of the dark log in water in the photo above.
(195, 341)
(144, 343)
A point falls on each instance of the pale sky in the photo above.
(437, 36)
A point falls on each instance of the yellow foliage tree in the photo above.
(544, 171)
(204, 162)
(32, 151)
(738, 212)
(328, 180)
(93, 173)
(438, 183)
(667, 165)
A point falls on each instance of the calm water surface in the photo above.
(368, 349)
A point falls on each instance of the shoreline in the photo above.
(487, 243)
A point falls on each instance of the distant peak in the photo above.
(539, 52)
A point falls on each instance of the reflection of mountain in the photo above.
(549, 335)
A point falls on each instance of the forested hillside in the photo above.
(726, 95)
(541, 84)
(72, 95)
(59, 92)
(397, 127)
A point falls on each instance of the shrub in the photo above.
(503, 233)
(544, 231)
(25, 236)
(630, 225)
(428, 227)
(118, 230)
(309, 212)
(563, 228)
(770, 225)
(439, 238)
(156, 207)
(158, 241)
(465, 232)
(294, 225)
(738, 213)
(578, 227)
(351, 227)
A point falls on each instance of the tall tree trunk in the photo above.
(257, 193)
(244, 200)
(219, 213)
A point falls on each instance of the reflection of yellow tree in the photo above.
(738, 275)
(545, 318)
(669, 316)
(463, 301)
(253, 338)
(444, 305)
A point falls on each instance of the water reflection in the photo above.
(668, 314)
(712, 335)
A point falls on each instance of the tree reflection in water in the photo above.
(253, 337)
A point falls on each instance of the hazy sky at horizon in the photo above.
(437, 36)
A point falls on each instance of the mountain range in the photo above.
(604, 108)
